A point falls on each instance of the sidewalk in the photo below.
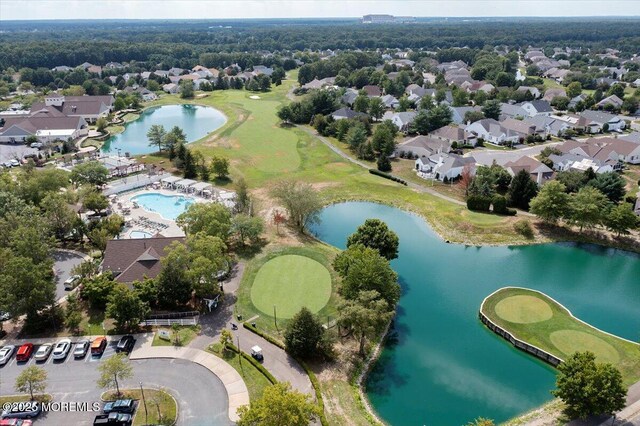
(237, 392)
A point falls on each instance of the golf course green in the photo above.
(538, 320)
(290, 282)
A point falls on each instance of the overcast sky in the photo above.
(212, 9)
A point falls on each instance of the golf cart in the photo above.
(256, 353)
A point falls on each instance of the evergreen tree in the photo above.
(521, 190)
(303, 334)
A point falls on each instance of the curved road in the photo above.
(201, 396)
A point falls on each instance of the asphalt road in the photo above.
(201, 396)
(64, 262)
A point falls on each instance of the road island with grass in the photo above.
(539, 320)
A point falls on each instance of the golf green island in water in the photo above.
(441, 365)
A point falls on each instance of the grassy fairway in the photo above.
(290, 282)
(263, 152)
(540, 321)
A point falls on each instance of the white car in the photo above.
(6, 353)
(61, 350)
(43, 352)
(36, 145)
(14, 163)
(71, 282)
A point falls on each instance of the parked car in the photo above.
(62, 348)
(36, 145)
(125, 344)
(98, 345)
(7, 164)
(4, 316)
(24, 352)
(27, 410)
(43, 352)
(6, 353)
(113, 419)
(120, 406)
(81, 348)
(71, 282)
(15, 422)
(14, 163)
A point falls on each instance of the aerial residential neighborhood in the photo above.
(293, 215)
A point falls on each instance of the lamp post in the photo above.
(146, 414)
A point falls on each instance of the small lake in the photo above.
(440, 366)
(196, 122)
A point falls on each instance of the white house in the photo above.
(402, 120)
(538, 107)
(492, 131)
(594, 121)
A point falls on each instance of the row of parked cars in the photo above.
(62, 348)
(116, 413)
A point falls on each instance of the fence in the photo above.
(174, 315)
(132, 182)
(169, 321)
(523, 346)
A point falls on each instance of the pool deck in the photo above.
(140, 219)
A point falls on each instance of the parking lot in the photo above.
(64, 262)
(201, 396)
(18, 151)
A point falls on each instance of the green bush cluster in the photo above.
(523, 227)
(388, 176)
(479, 203)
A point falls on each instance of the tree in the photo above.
(361, 103)
(438, 116)
(383, 164)
(278, 219)
(362, 268)
(366, 315)
(621, 219)
(551, 203)
(420, 123)
(521, 190)
(114, 369)
(356, 136)
(492, 109)
(32, 379)
(156, 135)
(126, 307)
(220, 167)
(279, 405)
(211, 218)
(376, 108)
(173, 137)
(285, 114)
(301, 200)
(94, 200)
(473, 116)
(175, 283)
(60, 217)
(72, 313)
(245, 226)
(91, 172)
(382, 137)
(610, 184)
(574, 89)
(186, 89)
(226, 339)
(589, 388)
(375, 234)
(587, 207)
(97, 290)
(243, 201)
(572, 180)
(303, 334)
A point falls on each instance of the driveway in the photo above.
(11, 152)
(64, 262)
(201, 396)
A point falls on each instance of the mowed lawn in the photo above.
(540, 321)
(290, 282)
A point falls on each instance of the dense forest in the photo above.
(182, 43)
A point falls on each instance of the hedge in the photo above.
(478, 203)
(255, 363)
(311, 374)
(388, 176)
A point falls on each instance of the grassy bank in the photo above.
(185, 335)
(540, 321)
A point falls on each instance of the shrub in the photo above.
(387, 176)
(523, 227)
(478, 203)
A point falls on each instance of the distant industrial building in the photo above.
(387, 19)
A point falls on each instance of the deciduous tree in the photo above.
(32, 379)
(113, 370)
(367, 314)
(375, 234)
(279, 405)
(551, 203)
(301, 200)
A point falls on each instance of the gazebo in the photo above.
(202, 188)
(169, 182)
(185, 185)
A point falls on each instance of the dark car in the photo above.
(112, 419)
(125, 344)
(120, 406)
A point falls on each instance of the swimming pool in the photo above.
(140, 234)
(167, 206)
